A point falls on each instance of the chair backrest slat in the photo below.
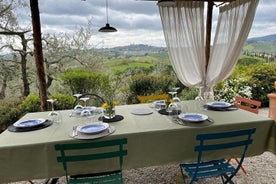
(96, 156)
(144, 99)
(247, 104)
(222, 135)
(88, 145)
(223, 145)
(230, 139)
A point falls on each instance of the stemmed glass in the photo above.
(176, 88)
(174, 94)
(173, 110)
(77, 107)
(77, 95)
(84, 99)
(55, 116)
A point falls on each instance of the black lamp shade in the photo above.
(107, 28)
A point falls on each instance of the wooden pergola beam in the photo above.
(39, 61)
(208, 32)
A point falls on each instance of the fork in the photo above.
(75, 132)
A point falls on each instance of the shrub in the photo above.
(9, 112)
(31, 103)
(63, 101)
(231, 87)
(80, 81)
(262, 82)
(142, 84)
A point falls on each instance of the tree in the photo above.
(23, 52)
(12, 32)
(63, 51)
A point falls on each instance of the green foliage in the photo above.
(63, 101)
(248, 60)
(9, 112)
(188, 93)
(31, 103)
(269, 47)
(142, 84)
(228, 89)
(253, 82)
(262, 82)
(82, 82)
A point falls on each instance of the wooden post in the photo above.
(208, 32)
(39, 54)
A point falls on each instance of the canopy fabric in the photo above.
(184, 31)
(234, 24)
(183, 27)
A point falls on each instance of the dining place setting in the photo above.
(29, 125)
(183, 114)
(95, 120)
(39, 123)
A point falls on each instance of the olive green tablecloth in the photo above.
(152, 140)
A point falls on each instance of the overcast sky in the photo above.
(137, 22)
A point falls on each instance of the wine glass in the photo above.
(84, 99)
(176, 88)
(173, 110)
(55, 116)
(77, 95)
(88, 116)
(172, 93)
(78, 108)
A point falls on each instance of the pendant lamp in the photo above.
(107, 27)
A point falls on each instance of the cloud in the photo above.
(136, 20)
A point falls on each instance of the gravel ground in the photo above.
(260, 169)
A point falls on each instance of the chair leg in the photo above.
(242, 168)
(30, 181)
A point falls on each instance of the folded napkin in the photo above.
(174, 112)
(116, 118)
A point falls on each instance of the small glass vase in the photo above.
(109, 113)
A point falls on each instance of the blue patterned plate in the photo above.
(29, 123)
(193, 117)
(219, 104)
(93, 128)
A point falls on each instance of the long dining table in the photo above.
(153, 139)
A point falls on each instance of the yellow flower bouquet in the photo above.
(109, 109)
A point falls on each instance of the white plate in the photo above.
(219, 104)
(107, 132)
(29, 123)
(141, 111)
(93, 128)
(193, 117)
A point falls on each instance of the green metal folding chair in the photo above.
(92, 151)
(220, 167)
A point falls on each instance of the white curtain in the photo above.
(234, 24)
(183, 27)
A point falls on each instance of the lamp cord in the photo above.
(106, 9)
